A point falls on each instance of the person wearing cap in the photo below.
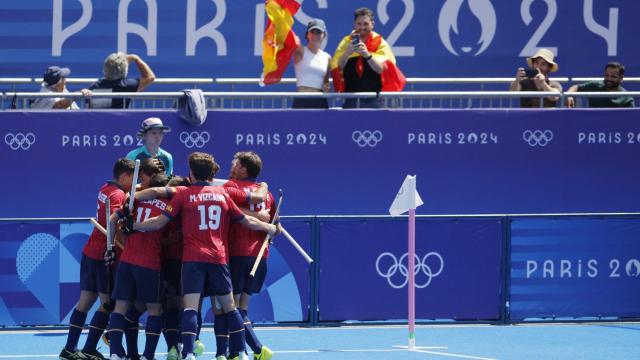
(311, 65)
(613, 76)
(115, 71)
(542, 62)
(54, 81)
(151, 132)
(364, 62)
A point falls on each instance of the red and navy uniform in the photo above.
(207, 213)
(244, 243)
(93, 273)
(138, 276)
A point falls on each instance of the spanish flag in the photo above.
(392, 78)
(279, 42)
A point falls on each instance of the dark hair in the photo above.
(250, 161)
(123, 166)
(363, 11)
(615, 65)
(179, 181)
(151, 166)
(203, 166)
(158, 180)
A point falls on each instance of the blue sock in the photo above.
(236, 333)
(189, 328)
(96, 328)
(172, 327)
(249, 334)
(117, 324)
(76, 322)
(199, 324)
(131, 331)
(222, 334)
(152, 330)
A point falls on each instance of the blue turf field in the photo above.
(581, 341)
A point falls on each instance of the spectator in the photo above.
(613, 76)
(312, 66)
(536, 78)
(115, 70)
(54, 80)
(364, 62)
(152, 132)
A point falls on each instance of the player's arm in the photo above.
(260, 194)
(154, 193)
(255, 224)
(262, 215)
(151, 224)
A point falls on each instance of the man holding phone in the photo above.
(364, 62)
(536, 78)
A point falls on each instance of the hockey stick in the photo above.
(134, 183)
(97, 225)
(265, 243)
(108, 306)
(297, 246)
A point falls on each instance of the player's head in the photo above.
(123, 172)
(158, 180)
(179, 181)
(245, 164)
(148, 168)
(202, 166)
(116, 66)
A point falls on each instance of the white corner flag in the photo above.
(407, 197)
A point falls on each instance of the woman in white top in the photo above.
(312, 66)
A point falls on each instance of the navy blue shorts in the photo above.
(93, 275)
(137, 283)
(240, 267)
(171, 276)
(205, 279)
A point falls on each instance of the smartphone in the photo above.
(531, 73)
(355, 39)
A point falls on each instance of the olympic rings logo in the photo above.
(367, 138)
(194, 139)
(19, 141)
(397, 273)
(537, 137)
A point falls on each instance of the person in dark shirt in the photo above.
(613, 76)
(115, 71)
(541, 64)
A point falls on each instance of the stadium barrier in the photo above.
(493, 268)
(284, 100)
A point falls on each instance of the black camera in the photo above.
(531, 73)
(355, 39)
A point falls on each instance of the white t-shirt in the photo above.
(312, 68)
(47, 103)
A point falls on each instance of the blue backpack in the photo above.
(192, 107)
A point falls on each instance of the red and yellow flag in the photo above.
(392, 78)
(279, 42)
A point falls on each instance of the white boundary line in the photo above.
(453, 355)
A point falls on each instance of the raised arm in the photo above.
(147, 77)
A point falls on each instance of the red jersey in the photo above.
(244, 241)
(207, 213)
(97, 244)
(143, 248)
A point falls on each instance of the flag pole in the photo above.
(412, 278)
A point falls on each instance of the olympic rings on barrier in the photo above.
(19, 140)
(537, 137)
(367, 137)
(194, 139)
(399, 266)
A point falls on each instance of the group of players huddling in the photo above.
(183, 240)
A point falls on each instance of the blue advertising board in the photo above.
(575, 268)
(363, 269)
(40, 274)
(337, 162)
(222, 38)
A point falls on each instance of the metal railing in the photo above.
(283, 100)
